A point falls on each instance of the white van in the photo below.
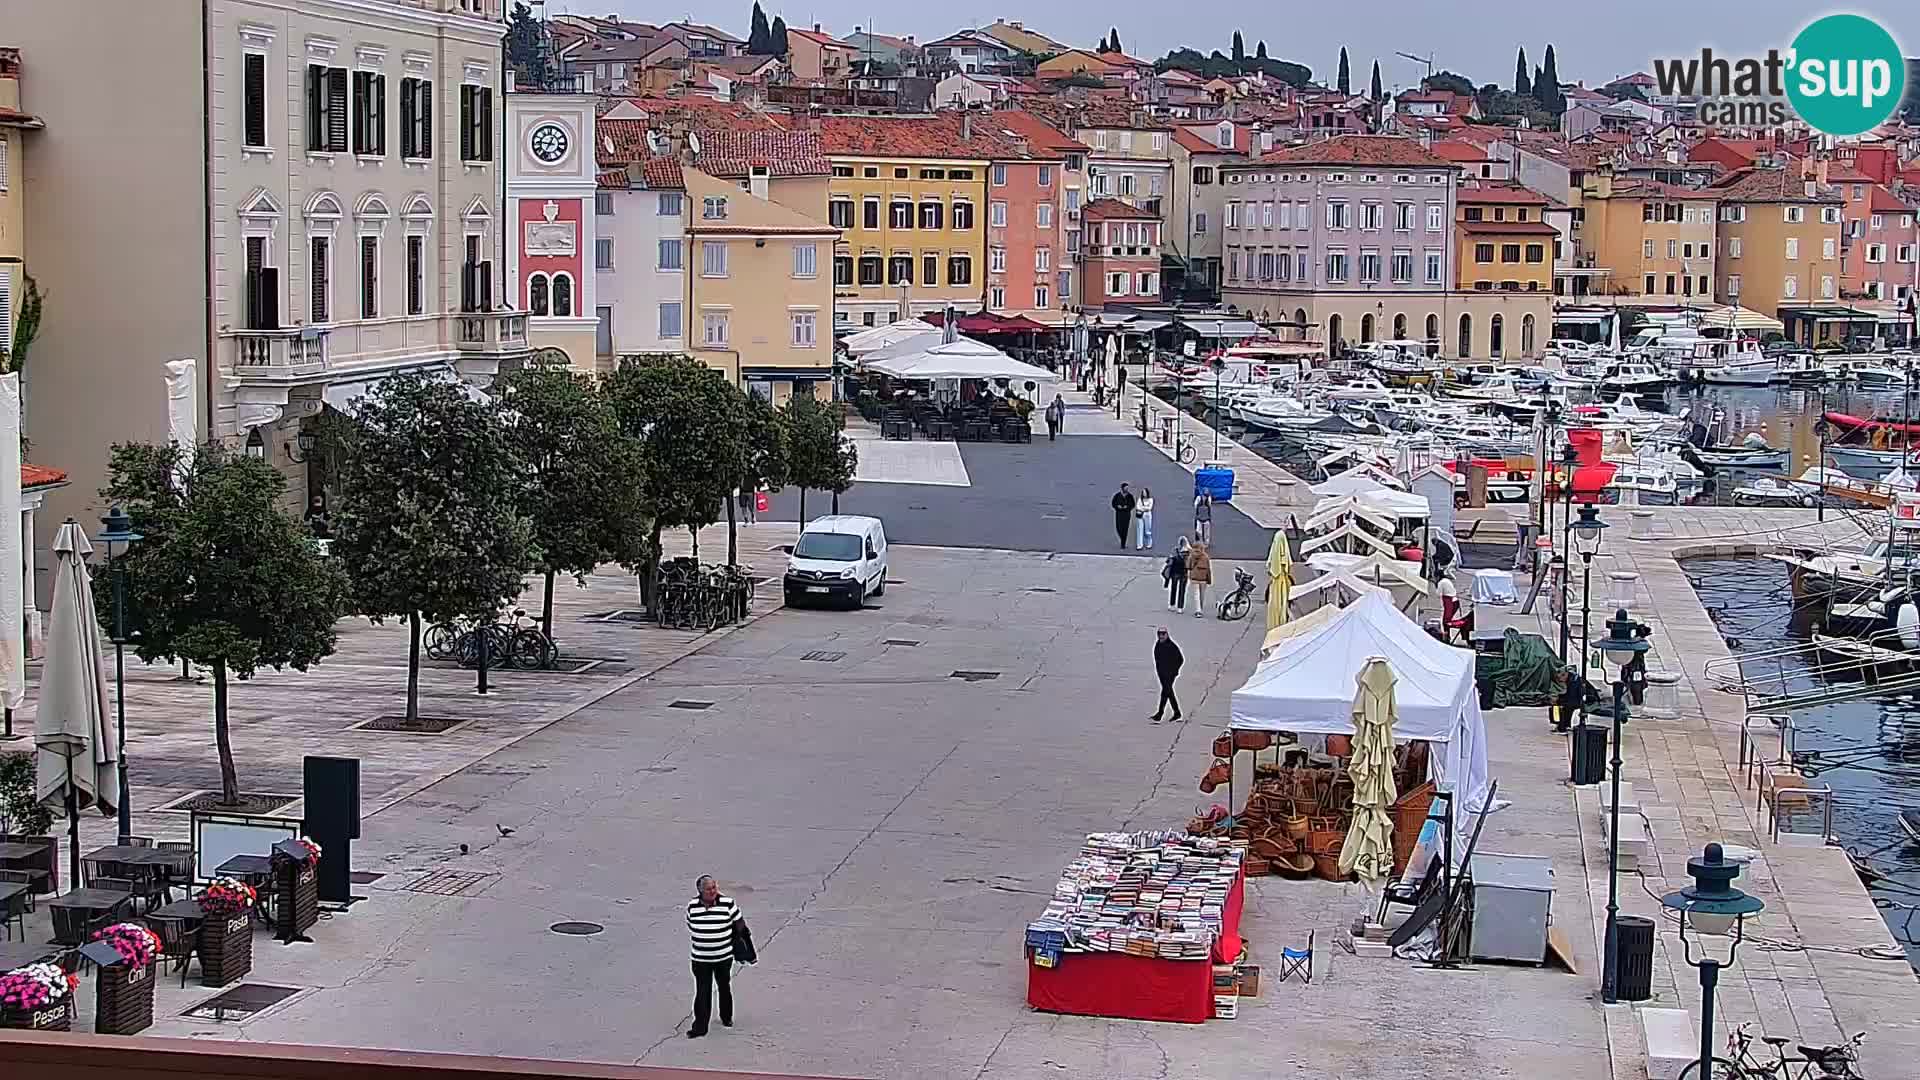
(839, 557)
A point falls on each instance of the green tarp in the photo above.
(1521, 673)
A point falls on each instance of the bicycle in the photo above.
(530, 647)
(1815, 1062)
(1236, 604)
(1185, 450)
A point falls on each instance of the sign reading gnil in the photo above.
(1843, 75)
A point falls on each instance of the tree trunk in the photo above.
(733, 532)
(836, 502)
(803, 510)
(693, 542)
(413, 666)
(546, 608)
(222, 738)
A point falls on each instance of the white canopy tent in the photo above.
(904, 345)
(1344, 576)
(1305, 685)
(878, 337)
(1359, 480)
(1734, 317)
(965, 358)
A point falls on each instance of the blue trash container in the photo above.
(1218, 481)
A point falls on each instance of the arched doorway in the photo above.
(1333, 332)
(1366, 329)
(1466, 337)
(1495, 332)
(1300, 320)
(1433, 330)
(1526, 335)
(1399, 328)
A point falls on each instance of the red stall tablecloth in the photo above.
(1137, 987)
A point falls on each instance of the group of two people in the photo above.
(1133, 517)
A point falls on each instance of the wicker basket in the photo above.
(1409, 813)
(1219, 773)
(1252, 740)
(1326, 860)
(1223, 744)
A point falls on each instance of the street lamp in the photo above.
(1625, 640)
(1715, 908)
(256, 444)
(119, 530)
(1219, 364)
(1569, 460)
(1587, 533)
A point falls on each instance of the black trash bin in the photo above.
(1633, 967)
(1589, 753)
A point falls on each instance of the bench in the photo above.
(1633, 837)
(1672, 1043)
(1628, 803)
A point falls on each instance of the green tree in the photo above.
(687, 419)
(429, 524)
(526, 46)
(1521, 84)
(818, 455)
(1447, 80)
(1239, 48)
(222, 576)
(1345, 81)
(762, 461)
(585, 496)
(1260, 52)
(1546, 88)
(760, 36)
(778, 37)
(20, 808)
(1375, 93)
(1081, 78)
(1113, 39)
(26, 327)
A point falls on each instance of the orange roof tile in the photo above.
(1110, 208)
(942, 135)
(1770, 186)
(730, 153)
(1516, 228)
(1460, 150)
(1882, 201)
(1201, 141)
(1038, 132)
(1507, 194)
(32, 476)
(1358, 150)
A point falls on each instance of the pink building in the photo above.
(1121, 255)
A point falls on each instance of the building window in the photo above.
(416, 275)
(1703, 284)
(1830, 215)
(670, 253)
(369, 113)
(962, 216)
(538, 300)
(933, 174)
(1826, 248)
(1066, 286)
(900, 270)
(1673, 249)
(713, 329)
(1796, 214)
(416, 123)
(997, 297)
(840, 213)
(1200, 222)
(932, 215)
(1336, 267)
(1876, 253)
(669, 204)
(1536, 253)
(900, 214)
(929, 269)
(602, 253)
(959, 270)
(369, 277)
(1044, 177)
(1233, 215)
(1733, 285)
(1509, 253)
(563, 295)
(803, 329)
(1117, 284)
(843, 269)
(1041, 298)
(1903, 253)
(1483, 253)
(253, 95)
(1266, 215)
(1403, 265)
(1793, 248)
(997, 260)
(806, 260)
(999, 176)
(1686, 286)
(603, 203)
(870, 214)
(1733, 247)
(1370, 215)
(1472, 213)
(476, 123)
(997, 215)
(1669, 284)
(1403, 217)
(713, 258)
(1647, 249)
(326, 109)
(321, 275)
(1339, 215)
(870, 270)
(1826, 288)
(1436, 267)
(713, 208)
(1043, 259)
(1043, 215)
(1790, 288)
(870, 172)
(1436, 217)
(1369, 266)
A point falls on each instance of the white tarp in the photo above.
(962, 358)
(1359, 480)
(1305, 685)
(879, 337)
(183, 416)
(13, 558)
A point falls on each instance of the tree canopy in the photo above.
(1239, 48)
(1113, 39)
(1546, 88)
(1447, 80)
(526, 46)
(222, 576)
(1345, 83)
(777, 35)
(1221, 66)
(818, 455)
(1521, 84)
(760, 35)
(1375, 92)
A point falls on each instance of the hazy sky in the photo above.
(1592, 42)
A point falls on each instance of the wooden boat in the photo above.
(1910, 824)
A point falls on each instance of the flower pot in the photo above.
(123, 999)
(296, 894)
(1223, 744)
(226, 949)
(55, 1016)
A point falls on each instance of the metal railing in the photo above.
(1823, 671)
(294, 347)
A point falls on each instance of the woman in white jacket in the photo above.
(1143, 517)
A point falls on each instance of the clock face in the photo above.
(549, 143)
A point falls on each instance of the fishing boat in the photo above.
(1910, 824)
(1800, 369)
(1865, 463)
(1754, 372)
(1753, 453)
(1845, 575)
(1634, 377)
(1767, 491)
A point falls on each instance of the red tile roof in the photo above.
(817, 38)
(729, 153)
(1838, 173)
(1646, 187)
(612, 178)
(1460, 150)
(1038, 132)
(1200, 139)
(1509, 228)
(942, 135)
(703, 112)
(1112, 111)
(1109, 209)
(32, 476)
(1882, 201)
(1358, 150)
(1770, 186)
(1508, 194)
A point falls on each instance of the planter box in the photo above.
(296, 898)
(123, 1000)
(226, 949)
(55, 1017)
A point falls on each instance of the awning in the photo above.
(1839, 313)
(986, 322)
(1222, 328)
(343, 396)
(879, 337)
(962, 358)
(1733, 317)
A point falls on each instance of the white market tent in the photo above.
(1733, 317)
(1306, 685)
(1358, 480)
(879, 337)
(961, 358)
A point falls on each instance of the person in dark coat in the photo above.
(1166, 664)
(1123, 513)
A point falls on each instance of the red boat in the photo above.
(1850, 422)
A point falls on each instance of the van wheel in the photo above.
(881, 589)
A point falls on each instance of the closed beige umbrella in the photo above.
(77, 753)
(1368, 848)
(1279, 579)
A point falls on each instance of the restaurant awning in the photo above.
(986, 322)
(962, 358)
(1840, 313)
(878, 337)
(1734, 317)
(1222, 328)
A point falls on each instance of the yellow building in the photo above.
(1655, 239)
(1504, 243)
(13, 242)
(759, 290)
(909, 195)
(1779, 240)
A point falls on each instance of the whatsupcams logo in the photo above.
(1843, 75)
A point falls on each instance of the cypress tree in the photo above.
(777, 37)
(1239, 48)
(1113, 40)
(1260, 53)
(1346, 82)
(1549, 94)
(1378, 94)
(759, 39)
(1521, 84)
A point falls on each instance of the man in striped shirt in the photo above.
(710, 920)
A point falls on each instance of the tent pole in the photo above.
(73, 829)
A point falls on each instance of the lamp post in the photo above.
(119, 530)
(1568, 460)
(1218, 364)
(1624, 641)
(1584, 535)
(1713, 907)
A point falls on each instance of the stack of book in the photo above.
(1157, 894)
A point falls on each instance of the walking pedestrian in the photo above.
(1123, 514)
(1203, 517)
(1143, 512)
(711, 919)
(1056, 417)
(1200, 574)
(745, 497)
(1174, 572)
(1166, 665)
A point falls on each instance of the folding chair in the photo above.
(1297, 961)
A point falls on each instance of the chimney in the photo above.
(816, 28)
(966, 126)
(909, 39)
(1820, 172)
(856, 28)
(757, 181)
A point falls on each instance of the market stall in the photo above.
(1135, 927)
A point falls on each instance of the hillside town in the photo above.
(516, 513)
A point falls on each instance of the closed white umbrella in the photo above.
(1368, 848)
(77, 753)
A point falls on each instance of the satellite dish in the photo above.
(693, 142)
(607, 141)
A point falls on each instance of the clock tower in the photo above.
(550, 206)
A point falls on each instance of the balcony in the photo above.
(278, 354)
(503, 333)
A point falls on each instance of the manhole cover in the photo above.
(452, 882)
(824, 656)
(419, 725)
(686, 703)
(974, 676)
(242, 1001)
(577, 929)
(900, 641)
(364, 877)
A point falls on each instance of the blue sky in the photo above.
(1592, 42)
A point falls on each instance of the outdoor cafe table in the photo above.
(257, 871)
(18, 954)
(91, 902)
(12, 851)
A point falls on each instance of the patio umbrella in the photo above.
(1279, 579)
(77, 752)
(1368, 848)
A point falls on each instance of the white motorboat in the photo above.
(1767, 491)
(1281, 415)
(1868, 464)
(1634, 377)
(1758, 372)
(1644, 482)
(1866, 374)
(1847, 574)
(1799, 369)
(1361, 389)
